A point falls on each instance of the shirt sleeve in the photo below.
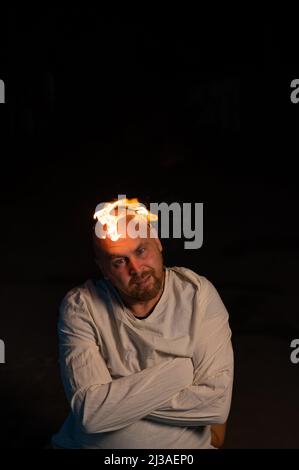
(208, 399)
(98, 402)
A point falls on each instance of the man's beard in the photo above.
(148, 292)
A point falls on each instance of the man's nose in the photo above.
(135, 266)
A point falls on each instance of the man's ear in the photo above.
(160, 247)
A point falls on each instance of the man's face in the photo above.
(134, 266)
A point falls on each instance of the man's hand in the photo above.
(218, 434)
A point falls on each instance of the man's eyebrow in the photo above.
(141, 245)
(113, 256)
(143, 242)
(116, 256)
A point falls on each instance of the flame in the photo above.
(106, 215)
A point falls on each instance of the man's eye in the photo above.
(141, 251)
(118, 262)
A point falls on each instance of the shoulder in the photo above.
(76, 301)
(200, 282)
(81, 302)
(208, 295)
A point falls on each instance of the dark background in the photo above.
(187, 108)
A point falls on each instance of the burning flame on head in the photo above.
(106, 215)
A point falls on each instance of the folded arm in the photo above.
(99, 403)
(207, 400)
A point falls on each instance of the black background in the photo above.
(187, 108)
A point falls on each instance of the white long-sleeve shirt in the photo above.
(155, 382)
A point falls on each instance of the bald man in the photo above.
(145, 353)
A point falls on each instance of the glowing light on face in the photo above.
(110, 213)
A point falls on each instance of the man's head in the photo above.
(133, 265)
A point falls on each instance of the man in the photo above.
(145, 352)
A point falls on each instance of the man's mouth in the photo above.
(143, 281)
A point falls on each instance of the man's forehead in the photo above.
(122, 245)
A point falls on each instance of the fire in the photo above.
(108, 214)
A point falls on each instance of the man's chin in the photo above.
(143, 294)
(146, 293)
